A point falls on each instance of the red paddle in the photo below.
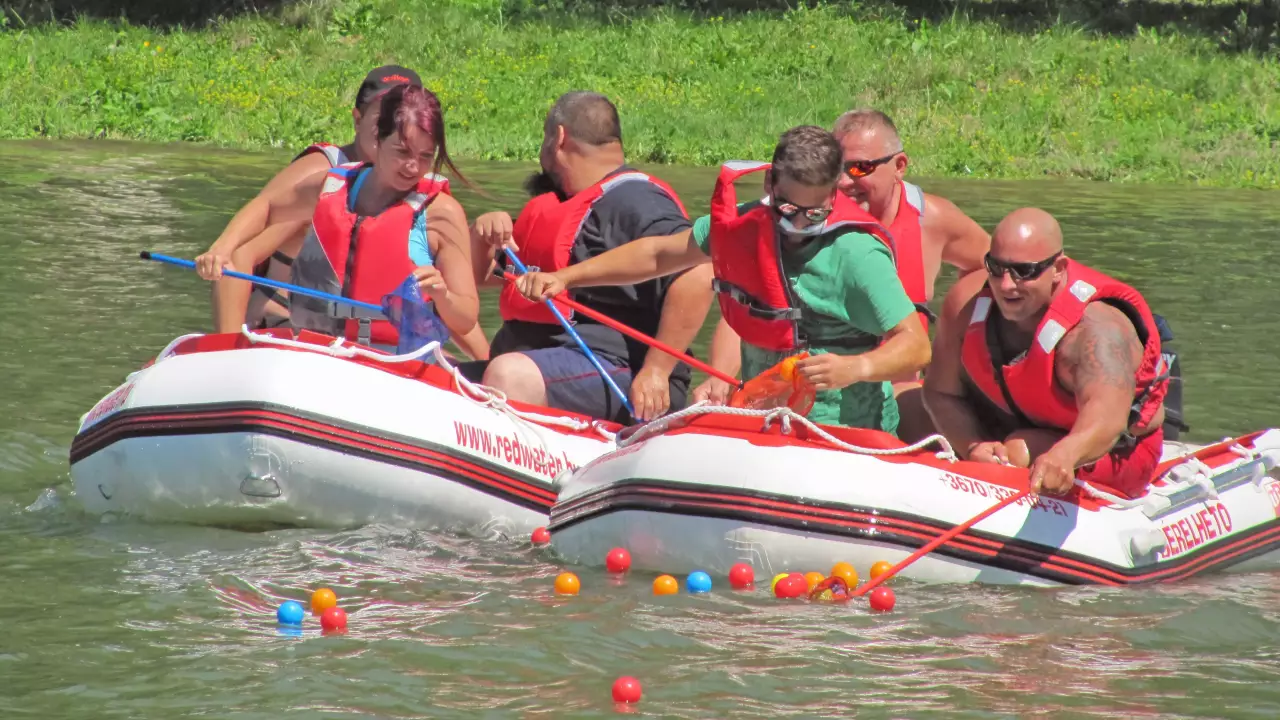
(651, 342)
(932, 544)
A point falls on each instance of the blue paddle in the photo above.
(576, 338)
(145, 255)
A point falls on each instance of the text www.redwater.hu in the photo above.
(511, 449)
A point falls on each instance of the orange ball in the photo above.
(813, 578)
(846, 572)
(567, 584)
(665, 585)
(879, 569)
(322, 600)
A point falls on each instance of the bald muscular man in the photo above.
(1052, 366)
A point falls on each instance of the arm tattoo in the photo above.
(1102, 350)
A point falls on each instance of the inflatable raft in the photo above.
(262, 429)
(708, 487)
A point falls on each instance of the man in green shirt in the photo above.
(842, 281)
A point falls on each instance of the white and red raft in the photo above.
(262, 429)
(710, 487)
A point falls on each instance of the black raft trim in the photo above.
(318, 431)
(905, 530)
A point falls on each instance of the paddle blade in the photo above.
(776, 387)
(414, 317)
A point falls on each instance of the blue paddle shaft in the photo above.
(626, 403)
(145, 255)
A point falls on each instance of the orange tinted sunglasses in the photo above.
(863, 168)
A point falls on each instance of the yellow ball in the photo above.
(774, 585)
(813, 578)
(322, 600)
(665, 585)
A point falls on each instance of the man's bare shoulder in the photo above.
(1102, 348)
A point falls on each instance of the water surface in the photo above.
(127, 619)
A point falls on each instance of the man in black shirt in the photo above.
(587, 201)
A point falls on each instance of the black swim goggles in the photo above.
(1021, 271)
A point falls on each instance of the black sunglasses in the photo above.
(863, 168)
(1020, 271)
(788, 209)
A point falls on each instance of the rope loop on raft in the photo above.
(482, 395)
(784, 417)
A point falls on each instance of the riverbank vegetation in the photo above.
(998, 90)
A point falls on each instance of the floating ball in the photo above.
(626, 690)
(882, 599)
(568, 584)
(791, 587)
(665, 585)
(541, 536)
(290, 613)
(773, 586)
(322, 600)
(812, 579)
(846, 572)
(333, 620)
(618, 560)
(698, 582)
(741, 576)
(879, 569)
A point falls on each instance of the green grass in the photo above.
(971, 98)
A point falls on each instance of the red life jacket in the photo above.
(755, 296)
(369, 255)
(907, 230)
(332, 153)
(546, 232)
(1030, 391)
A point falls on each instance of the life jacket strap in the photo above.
(754, 307)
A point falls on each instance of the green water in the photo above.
(130, 620)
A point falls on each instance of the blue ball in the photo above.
(290, 613)
(698, 582)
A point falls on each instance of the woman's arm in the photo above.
(456, 301)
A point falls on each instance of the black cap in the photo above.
(379, 80)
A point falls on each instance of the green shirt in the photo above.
(846, 283)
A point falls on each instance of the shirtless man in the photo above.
(1053, 366)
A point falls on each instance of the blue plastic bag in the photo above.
(414, 317)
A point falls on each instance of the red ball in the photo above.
(741, 576)
(333, 619)
(626, 690)
(541, 536)
(618, 560)
(882, 599)
(792, 586)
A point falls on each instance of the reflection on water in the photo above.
(153, 621)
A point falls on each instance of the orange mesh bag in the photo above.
(776, 387)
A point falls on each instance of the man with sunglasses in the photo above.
(927, 230)
(1053, 366)
(802, 269)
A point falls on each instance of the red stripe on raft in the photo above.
(245, 420)
(885, 525)
(750, 429)
(423, 372)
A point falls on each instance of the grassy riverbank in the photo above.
(972, 98)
